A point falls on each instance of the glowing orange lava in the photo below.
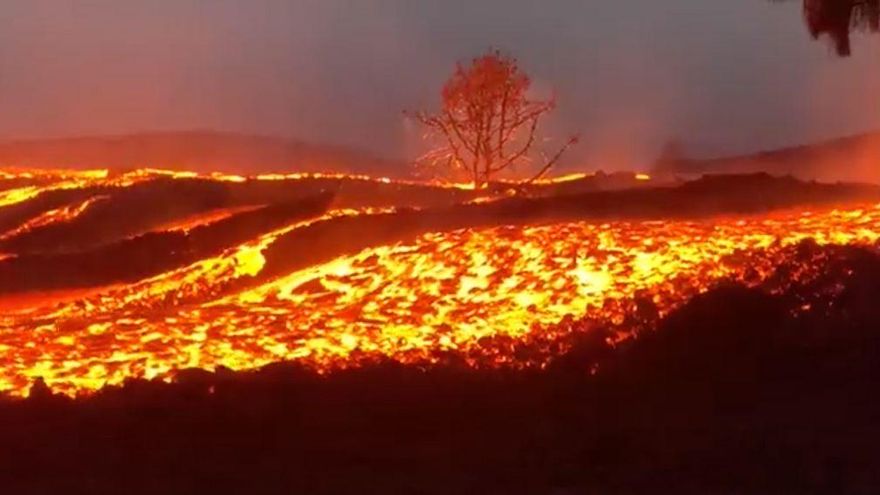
(201, 219)
(412, 301)
(58, 215)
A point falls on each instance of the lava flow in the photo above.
(58, 215)
(414, 302)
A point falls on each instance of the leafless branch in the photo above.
(568, 144)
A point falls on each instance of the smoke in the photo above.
(722, 77)
(849, 105)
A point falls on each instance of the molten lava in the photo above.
(201, 219)
(442, 294)
(58, 215)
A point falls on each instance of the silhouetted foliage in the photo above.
(837, 19)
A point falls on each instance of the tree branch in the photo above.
(525, 149)
(571, 141)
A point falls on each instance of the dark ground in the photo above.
(731, 394)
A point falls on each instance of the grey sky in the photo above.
(724, 75)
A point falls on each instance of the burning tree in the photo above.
(487, 123)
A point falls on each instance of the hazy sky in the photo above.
(723, 75)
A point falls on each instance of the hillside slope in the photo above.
(199, 151)
(853, 158)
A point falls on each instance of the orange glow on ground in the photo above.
(201, 219)
(58, 215)
(413, 301)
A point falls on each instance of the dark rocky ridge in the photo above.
(851, 158)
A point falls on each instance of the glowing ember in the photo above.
(442, 292)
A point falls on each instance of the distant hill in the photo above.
(194, 150)
(854, 158)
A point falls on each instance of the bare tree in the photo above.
(487, 123)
